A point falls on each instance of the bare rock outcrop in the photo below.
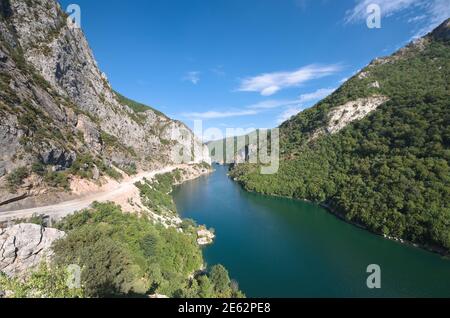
(343, 115)
(24, 247)
(205, 237)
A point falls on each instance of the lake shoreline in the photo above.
(339, 215)
(433, 249)
(299, 249)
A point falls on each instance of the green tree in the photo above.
(220, 279)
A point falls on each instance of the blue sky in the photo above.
(243, 63)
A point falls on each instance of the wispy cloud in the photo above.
(218, 70)
(388, 7)
(295, 108)
(258, 108)
(288, 114)
(317, 95)
(218, 114)
(437, 12)
(249, 110)
(270, 83)
(432, 12)
(270, 104)
(302, 99)
(417, 18)
(193, 77)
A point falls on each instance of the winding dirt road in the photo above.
(63, 209)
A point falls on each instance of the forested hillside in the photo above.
(59, 116)
(388, 169)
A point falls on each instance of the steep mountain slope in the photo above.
(59, 115)
(377, 150)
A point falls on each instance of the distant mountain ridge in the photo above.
(59, 113)
(377, 150)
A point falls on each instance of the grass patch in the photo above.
(84, 167)
(54, 179)
(129, 169)
(17, 177)
(113, 142)
(135, 106)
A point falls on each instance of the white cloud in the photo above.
(269, 104)
(193, 77)
(255, 109)
(317, 95)
(270, 83)
(293, 110)
(304, 98)
(388, 7)
(432, 12)
(437, 12)
(417, 18)
(288, 114)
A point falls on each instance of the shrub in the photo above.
(38, 219)
(57, 180)
(130, 169)
(45, 282)
(83, 166)
(39, 168)
(17, 177)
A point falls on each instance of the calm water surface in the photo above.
(278, 247)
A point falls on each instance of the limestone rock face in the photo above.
(56, 104)
(343, 115)
(57, 157)
(24, 247)
(90, 133)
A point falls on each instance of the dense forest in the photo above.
(389, 171)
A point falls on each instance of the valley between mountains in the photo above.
(87, 176)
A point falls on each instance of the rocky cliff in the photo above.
(57, 109)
